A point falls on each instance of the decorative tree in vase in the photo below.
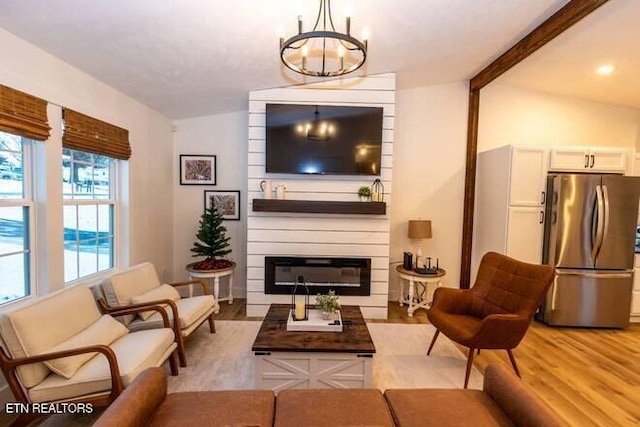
(213, 242)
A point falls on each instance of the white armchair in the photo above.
(140, 285)
(61, 348)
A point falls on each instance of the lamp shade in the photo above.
(419, 229)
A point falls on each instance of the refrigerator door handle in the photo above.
(605, 230)
(591, 274)
(596, 242)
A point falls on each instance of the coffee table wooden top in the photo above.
(273, 334)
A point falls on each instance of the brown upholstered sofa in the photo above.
(504, 401)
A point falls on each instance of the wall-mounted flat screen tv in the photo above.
(323, 139)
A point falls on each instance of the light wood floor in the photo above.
(591, 377)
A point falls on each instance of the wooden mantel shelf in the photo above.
(319, 206)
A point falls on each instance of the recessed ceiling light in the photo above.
(606, 69)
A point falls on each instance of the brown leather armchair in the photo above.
(497, 311)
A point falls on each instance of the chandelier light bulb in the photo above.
(305, 50)
(341, 51)
(365, 34)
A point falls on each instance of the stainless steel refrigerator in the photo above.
(590, 238)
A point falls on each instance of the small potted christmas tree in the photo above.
(213, 242)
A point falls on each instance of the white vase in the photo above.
(364, 198)
(328, 316)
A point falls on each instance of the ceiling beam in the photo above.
(555, 25)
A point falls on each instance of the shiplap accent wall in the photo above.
(290, 234)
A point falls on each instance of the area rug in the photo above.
(224, 361)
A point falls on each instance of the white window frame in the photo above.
(114, 201)
(27, 201)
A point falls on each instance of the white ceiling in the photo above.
(193, 58)
(567, 65)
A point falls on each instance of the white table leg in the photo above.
(411, 288)
(216, 291)
(401, 299)
(231, 288)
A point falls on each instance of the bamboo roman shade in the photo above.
(23, 114)
(85, 133)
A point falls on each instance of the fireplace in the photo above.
(345, 276)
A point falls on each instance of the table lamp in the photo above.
(419, 229)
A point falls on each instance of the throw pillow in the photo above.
(102, 332)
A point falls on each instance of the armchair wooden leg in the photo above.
(433, 341)
(469, 365)
(173, 363)
(181, 353)
(212, 326)
(513, 363)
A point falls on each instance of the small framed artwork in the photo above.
(197, 170)
(227, 203)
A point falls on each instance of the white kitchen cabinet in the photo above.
(509, 214)
(524, 233)
(635, 297)
(528, 176)
(580, 159)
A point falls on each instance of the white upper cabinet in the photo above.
(528, 174)
(578, 159)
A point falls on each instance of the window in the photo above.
(89, 210)
(16, 215)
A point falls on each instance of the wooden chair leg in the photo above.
(433, 341)
(181, 353)
(173, 363)
(212, 326)
(513, 363)
(469, 365)
(478, 351)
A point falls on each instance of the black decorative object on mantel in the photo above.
(300, 300)
(377, 191)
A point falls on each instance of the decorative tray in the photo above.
(315, 323)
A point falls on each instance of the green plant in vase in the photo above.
(365, 193)
(329, 304)
(212, 242)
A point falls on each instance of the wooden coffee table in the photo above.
(313, 359)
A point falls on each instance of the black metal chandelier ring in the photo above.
(288, 44)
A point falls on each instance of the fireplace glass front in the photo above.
(345, 276)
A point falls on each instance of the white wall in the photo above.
(428, 174)
(147, 176)
(523, 117)
(225, 136)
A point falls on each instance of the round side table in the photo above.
(417, 298)
(215, 275)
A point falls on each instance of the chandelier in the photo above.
(323, 52)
